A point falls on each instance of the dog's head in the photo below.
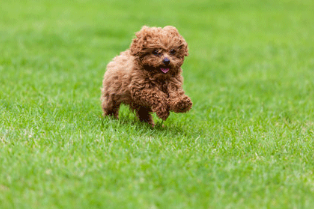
(159, 50)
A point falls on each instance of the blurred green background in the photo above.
(247, 142)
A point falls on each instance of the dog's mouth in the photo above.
(164, 70)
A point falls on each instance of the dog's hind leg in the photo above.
(144, 115)
(110, 105)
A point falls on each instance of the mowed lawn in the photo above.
(247, 142)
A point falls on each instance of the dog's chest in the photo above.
(162, 86)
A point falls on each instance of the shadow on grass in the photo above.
(173, 127)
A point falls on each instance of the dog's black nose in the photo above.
(166, 61)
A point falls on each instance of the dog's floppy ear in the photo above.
(184, 47)
(139, 42)
(179, 39)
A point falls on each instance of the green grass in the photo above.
(247, 142)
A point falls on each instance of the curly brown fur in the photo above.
(147, 77)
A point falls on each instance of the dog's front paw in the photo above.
(184, 104)
(162, 112)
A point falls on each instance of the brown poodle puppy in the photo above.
(147, 77)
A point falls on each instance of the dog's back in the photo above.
(116, 80)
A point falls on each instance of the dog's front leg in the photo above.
(151, 98)
(178, 101)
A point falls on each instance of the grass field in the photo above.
(247, 142)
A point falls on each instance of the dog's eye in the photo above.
(172, 51)
(155, 52)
